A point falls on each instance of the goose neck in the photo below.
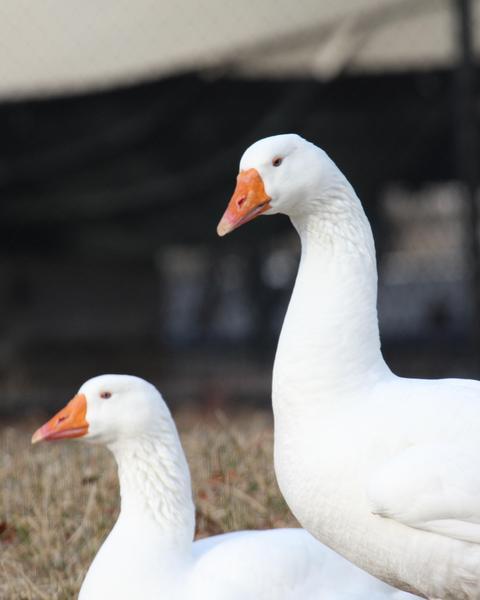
(155, 487)
(330, 337)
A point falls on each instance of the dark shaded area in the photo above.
(97, 190)
(159, 149)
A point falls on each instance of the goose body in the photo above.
(150, 553)
(384, 470)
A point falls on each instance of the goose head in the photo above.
(107, 409)
(278, 174)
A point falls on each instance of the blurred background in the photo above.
(122, 125)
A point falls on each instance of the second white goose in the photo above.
(150, 553)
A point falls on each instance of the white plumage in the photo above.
(384, 470)
(149, 554)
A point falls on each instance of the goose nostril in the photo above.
(63, 418)
(240, 201)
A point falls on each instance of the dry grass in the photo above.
(59, 500)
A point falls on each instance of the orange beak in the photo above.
(70, 422)
(248, 201)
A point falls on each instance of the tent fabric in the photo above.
(63, 47)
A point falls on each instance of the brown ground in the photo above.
(59, 500)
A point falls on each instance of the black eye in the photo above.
(276, 162)
(106, 395)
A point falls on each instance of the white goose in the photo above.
(384, 470)
(149, 553)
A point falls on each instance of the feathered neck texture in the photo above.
(330, 339)
(334, 220)
(155, 486)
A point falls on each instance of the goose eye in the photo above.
(276, 162)
(106, 395)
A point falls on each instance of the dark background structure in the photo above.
(109, 260)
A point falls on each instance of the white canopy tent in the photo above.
(64, 46)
